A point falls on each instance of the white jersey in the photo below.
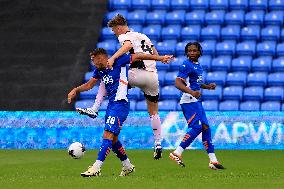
(141, 44)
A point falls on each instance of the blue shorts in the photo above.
(194, 112)
(116, 114)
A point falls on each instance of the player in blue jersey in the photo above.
(189, 81)
(116, 85)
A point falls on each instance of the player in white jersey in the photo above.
(142, 74)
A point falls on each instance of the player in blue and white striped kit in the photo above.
(189, 81)
(116, 85)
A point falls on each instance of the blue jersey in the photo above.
(115, 79)
(191, 74)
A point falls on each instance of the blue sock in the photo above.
(118, 149)
(190, 136)
(104, 149)
(207, 141)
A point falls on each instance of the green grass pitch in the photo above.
(28, 169)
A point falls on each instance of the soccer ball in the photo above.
(76, 150)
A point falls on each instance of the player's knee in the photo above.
(115, 139)
(108, 135)
(154, 99)
(205, 127)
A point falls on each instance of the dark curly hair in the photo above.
(196, 44)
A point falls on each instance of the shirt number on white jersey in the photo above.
(145, 47)
(110, 120)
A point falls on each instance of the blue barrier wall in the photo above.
(230, 130)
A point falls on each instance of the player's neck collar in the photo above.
(127, 32)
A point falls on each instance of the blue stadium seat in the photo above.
(121, 4)
(90, 94)
(221, 63)
(210, 105)
(107, 34)
(165, 47)
(174, 65)
(205, 62)
(195, 17)
(253, 93)
(251, 32)
(226, 47)
(246, 48)
(274, 93)
(231, 32)
(250, 106)
(278, 64)
(132, 105)
(88, 76)
(242, 63)
(175, 17)
(219, 4)
(233, 93)
(141, 105)
(171, 32)
(180, 48)
(258, 4)
(84, 103)
(161, 4)
(282, 34)
(208, 47)
(199, 5)
(235, 17)
(141, 4)
(210, 32)
(167, 105)
(266, 48)
(271, 106)
(170, 92)
(136, 17)
(156, 17)
(212, 94)
(180, 5)
(215, 17)
(276, 4)
(262, 64)
(254, 17)
(112, 14)
(237, 78)
(190, 32)
(257, 79)
(170, 78)
(152, 31)
(238, 4)
(134, 93)
(276, 79)
(280, 49)
(135, 27)
(274, 18)
(229, 105)
(216, 77)
(162, 66)
(109, 46)
(270, 33)
(161, 76)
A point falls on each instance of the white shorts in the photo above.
(147, 81)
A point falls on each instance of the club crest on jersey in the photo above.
(107, 79)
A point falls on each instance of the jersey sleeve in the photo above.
(123, 60)
(184, 71)
(96, 74)
(122, 38)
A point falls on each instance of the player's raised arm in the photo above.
(85, 87)
(124, 49)
(142, 56)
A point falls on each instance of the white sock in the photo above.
(179, 151)
(126, 163)
(156, 126)
(212, 157)
(100, 97)
(98, 164)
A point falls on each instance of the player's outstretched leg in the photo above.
(95, 169)
(127, 167)
(207, 142)
(156, 126)
(187, 140)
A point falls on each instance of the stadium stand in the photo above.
(242, 40)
